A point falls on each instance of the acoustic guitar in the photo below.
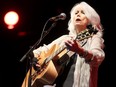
(51, 63)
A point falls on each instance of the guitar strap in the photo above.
(70, 75)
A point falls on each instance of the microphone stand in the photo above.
(29, 53)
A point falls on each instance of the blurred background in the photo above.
(25, 30)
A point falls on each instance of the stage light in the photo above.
(11, 18)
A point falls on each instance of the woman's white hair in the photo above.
(90, 13)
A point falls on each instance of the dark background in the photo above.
(33, 15)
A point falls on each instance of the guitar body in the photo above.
(47, 76)
(49, 71)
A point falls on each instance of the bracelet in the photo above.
(92, 57)
(84, 54)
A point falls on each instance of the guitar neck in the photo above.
(54, 54)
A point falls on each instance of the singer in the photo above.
(83, 51)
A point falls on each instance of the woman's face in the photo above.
(80, 18)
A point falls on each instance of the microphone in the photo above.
(62, 16)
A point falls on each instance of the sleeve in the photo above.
(97, 49)
(46, 48)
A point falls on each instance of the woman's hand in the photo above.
(74, 46)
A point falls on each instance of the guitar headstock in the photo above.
(90, 31)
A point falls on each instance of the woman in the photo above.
(86, 42)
